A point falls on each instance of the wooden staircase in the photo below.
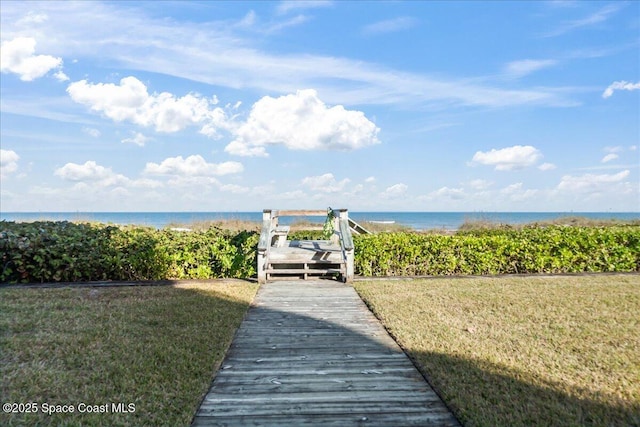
(280, 258)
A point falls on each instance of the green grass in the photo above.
(155, 347)
(521, 351)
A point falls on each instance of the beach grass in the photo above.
(521, 351)
(567, 221)
(237, 225)
(153, 347)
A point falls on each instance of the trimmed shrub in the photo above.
(71, 252)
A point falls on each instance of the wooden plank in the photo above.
(321, 271)
(262, 408)
(345, 232)
(314, 244)
(311, 353)
(303, 212)
(263, 243)
(354, 418)
(357, 228)
(268, 384)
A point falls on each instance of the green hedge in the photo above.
(69, 252)
(552, 249)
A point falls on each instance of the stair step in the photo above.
(304, 271)
(306, 261)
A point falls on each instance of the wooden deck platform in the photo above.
(279, 258)
(311, 353)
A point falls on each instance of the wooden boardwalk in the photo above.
(311, 353)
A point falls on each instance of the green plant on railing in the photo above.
(327, 228)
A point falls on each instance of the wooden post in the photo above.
(347, 244)
(275, 258)
(263, 246)
(335, 237)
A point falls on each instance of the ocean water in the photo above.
(415, 220)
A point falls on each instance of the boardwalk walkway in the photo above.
(311, 353)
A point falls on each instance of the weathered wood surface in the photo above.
(311, 353)
(306, 250)
(299, 212)
(292, 262)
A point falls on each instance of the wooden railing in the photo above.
(273, 235)
(346, 242)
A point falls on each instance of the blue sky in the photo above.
(372, 106)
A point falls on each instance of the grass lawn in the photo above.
(154, 347)
(522, 351)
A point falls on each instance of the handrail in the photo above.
(357, 228)
(345, 233)
(263, 243)
(302, 212)
(346, 242)
(341, 226)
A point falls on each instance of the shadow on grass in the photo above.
(483, 394)
(98, 350)
(158, 348)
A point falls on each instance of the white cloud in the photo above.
(137, 138)
(8, 162)
(633, 147)
(194, 186)
(447, 193)
(234, 188)
(620, 85)
(395, 190)
(517, 193)
(130, 101)
(615, 149)
(291, 195)
(610, 167)
(510, 158)
(291, 22)
(325, 183)
(301, 122)
(32, 18)
(595, 18)
(17, 56)
(480, 184)
(370, 180)
(590, 182)
(92, 132)
(510, 189)
(287, 6)
(390, 25)
(252, 22)
(562, 3)
(222, 56)
(609, 157)
(146, 183)
(62, 77)
(523, 67)
(89, 171)
(192, 166)
(248, 20)
(219, 55)
(547, 166)
(92, 172)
